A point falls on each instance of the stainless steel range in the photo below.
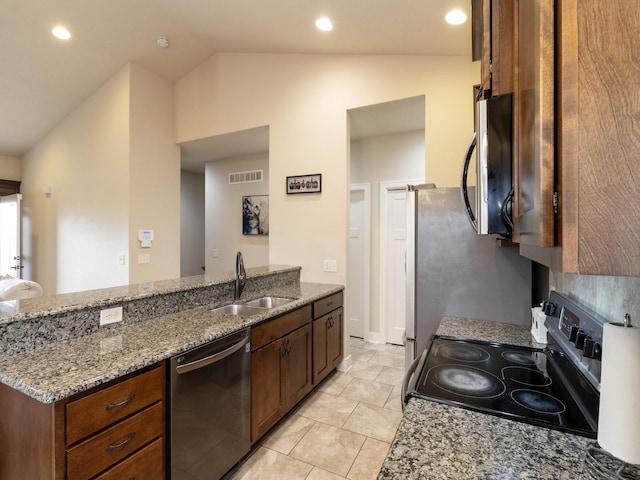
(556, 387)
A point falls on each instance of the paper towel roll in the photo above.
(619, 417)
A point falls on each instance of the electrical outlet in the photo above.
(330, 265)
(110, 315)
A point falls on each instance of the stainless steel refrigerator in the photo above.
(452, 271)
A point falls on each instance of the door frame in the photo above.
(385, 188)
(366, 189)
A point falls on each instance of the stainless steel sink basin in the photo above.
(268, 302)
(240, 309)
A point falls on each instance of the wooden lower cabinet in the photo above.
(290, 355)
(280, 378)
(113, 431)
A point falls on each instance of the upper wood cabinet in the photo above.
(493, 27)
(596, 139)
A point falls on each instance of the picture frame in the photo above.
(304, 184)
(255, 215)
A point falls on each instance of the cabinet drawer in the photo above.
(325, 305)
(147, 464)
(97, 453)
(98, 410)
(279, 327)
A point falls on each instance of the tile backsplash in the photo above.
(609, 297)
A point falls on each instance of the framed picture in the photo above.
(255, 215)
(304, 184)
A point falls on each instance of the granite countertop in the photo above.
(436, 441)
(61, 369)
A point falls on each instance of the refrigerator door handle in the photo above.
(410, 264)
(464, 191)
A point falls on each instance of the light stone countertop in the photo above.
(60, 369)
(436, 441)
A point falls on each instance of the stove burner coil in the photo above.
(538, 401)
(462, 352)
(526, 376)
(466, 381)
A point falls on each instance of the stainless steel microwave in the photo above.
(493, 145)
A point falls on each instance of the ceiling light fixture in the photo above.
(455, 17)
(162, 41)
(61, 33)
(324, 24)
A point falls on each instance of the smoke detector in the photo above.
(162, 41)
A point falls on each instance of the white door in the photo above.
(10, 235)
(393, 241)
(359, 261)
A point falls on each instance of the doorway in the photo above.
(387, 144)
(10, 260)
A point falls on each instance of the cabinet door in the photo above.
(334, 338)
(327, 344)
(267, 387)
(534, 123)
(297, 376)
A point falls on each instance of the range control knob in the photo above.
(589, 345)
(573, 332)
(549, 308)
(580, 338)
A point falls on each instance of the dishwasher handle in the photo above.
(203, 362)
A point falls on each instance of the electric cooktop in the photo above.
(540, 387)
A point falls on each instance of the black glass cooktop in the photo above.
(541, 387)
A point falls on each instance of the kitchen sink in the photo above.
(240, 309)
(268, 302)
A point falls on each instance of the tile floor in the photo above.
(343, 429)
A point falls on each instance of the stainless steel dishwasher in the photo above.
(209, 410)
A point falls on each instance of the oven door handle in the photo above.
(408, 377)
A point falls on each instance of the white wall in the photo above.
(378, 159)
(9, 168)
(224, 213)
(112, 167)
(154, 178)
(73, 239)
(192, 219)
(304, 99)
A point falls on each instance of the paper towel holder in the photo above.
(627, 320)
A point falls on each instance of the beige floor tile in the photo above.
(320, 474)
(388, 359)
(391, 376)
(266, 464)
(394, 402)
(335, 384)
(367, 391)
(288, 434)
(364, 370)
(361, 355)
(330, 448)
(369, 460)
(329, 409)
(379, 423)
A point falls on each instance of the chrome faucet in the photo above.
(241, 276)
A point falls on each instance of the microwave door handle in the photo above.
(464, 191)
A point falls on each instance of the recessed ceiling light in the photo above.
(61, 33)
(324, 24)
(455, 17)
(162, 41)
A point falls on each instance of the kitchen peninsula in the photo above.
(54, 354)
(436, 441)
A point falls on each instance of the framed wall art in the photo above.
(304, 184)
(255, 215)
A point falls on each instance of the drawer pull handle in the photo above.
(111, 406)
(122, 443)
